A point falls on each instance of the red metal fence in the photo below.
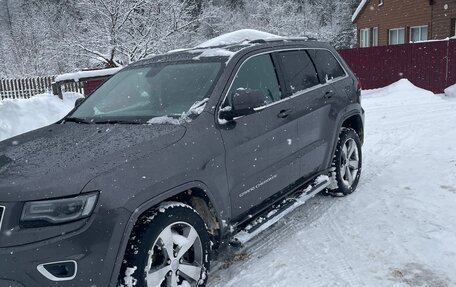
(430, 65)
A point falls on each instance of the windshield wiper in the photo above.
(135, 122)
(76, 120)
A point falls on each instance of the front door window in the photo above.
(258, 73)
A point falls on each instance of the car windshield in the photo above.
(141, 93)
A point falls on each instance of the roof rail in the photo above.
(302, 39)
(264, 41)
(258, 41)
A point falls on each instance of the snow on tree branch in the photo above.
(54, 37)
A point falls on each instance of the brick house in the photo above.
(391, 22)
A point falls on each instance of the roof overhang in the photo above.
(358, 11)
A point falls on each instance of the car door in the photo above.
(332, 97)
(307, 95)
(260, 147)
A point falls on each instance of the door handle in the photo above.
(284, 113)
(328, 94)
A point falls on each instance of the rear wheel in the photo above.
(168, 249)
(347, 162)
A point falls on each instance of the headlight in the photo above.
(57, 211)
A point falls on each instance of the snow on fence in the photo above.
(27, 87)
(24, 88)
(428, 65)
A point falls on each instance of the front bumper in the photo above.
(94, 248)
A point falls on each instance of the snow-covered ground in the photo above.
(451, 91)
(23, 115)
(398, 229)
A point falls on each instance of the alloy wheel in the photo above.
(349, 162)
(176, 258)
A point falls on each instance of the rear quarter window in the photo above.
(328, 67)
(299, 71)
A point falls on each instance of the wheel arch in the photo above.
(355, 122)
(196, 195)
(353, 119)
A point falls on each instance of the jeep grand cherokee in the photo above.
(173, 157)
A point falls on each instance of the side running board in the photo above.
(273, 215)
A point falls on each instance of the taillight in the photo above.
(359, 90)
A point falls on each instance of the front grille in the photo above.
(2, 210)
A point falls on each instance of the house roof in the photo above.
(359, 9)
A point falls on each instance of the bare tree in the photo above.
(118, 32)
(40, 37)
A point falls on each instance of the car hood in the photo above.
(59, 160)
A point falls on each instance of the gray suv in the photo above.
(172, 159)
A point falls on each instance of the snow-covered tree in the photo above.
(118, 32)
(42, 37)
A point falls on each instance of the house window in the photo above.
(418, 33)
(364, 38)
(396, 36)
(374, 36)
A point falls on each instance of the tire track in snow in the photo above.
(317, 231)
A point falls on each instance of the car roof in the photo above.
(227, 51)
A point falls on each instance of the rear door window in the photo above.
(258, 73)
(298, 70)
(327, 66)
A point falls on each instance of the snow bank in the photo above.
(401, 91)
(87, 74)
(23, 115)
(237, 37)
(451, 91)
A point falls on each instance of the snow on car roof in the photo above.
(223, 46)
(236, 37)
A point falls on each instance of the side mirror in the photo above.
(78, 102)
(243, 102)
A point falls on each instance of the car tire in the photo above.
(169, 247)
(347, 162)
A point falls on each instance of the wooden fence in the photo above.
(429, 65)
(27, 87)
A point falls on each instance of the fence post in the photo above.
(16, 89)
(57, 90)
(1, 88)
(29, 87)
(7, 88)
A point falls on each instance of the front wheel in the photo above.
(347, 162)
(170, 248)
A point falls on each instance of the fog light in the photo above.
(59, 271)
